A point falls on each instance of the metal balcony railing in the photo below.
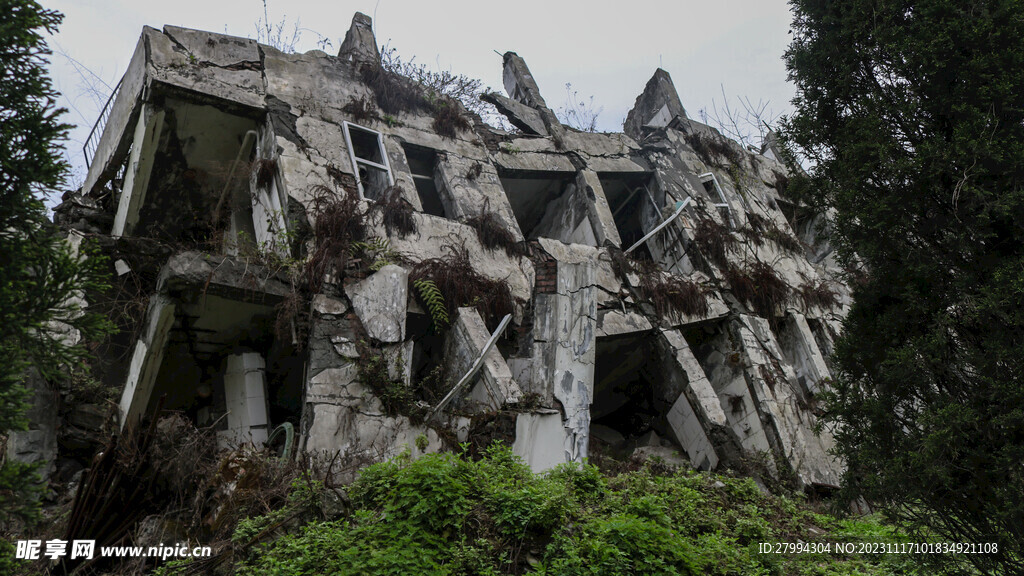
(93, 141)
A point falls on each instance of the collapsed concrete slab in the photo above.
(380, 303)
(466, 342)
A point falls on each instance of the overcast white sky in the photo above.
(605, 49)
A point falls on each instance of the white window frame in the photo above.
(723, 203)
(356, 161)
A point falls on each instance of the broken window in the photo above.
(369, 160)
(422, 162)
(543, 205)
(635, 201)
(713, 189)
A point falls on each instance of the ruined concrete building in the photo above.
(330, 254)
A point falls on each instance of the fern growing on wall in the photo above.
(431, 296)
(377, 248)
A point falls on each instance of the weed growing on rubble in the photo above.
(821, 295)
(713, 149)
(396, 212)
(667, 292)
(339, 222)
(394, 93)
(494, 235)
(461, 285)
(714, 242)
(361, 109)
(759, 229)
(448, 119)
(760, 287)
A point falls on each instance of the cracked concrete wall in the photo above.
(728, 380)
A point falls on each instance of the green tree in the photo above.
(912, 116)
(41, 277)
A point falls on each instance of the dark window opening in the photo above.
(531, 195)
(366, 144)
(636, 203)
(422, 162)
(429, 378)
(193, 169)
(714, 191)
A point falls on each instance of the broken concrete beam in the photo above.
(380, 301)
(521, 87)
(188, 69)
(787, 426)
(655, 107)
(146, 360)
(233, 278)
(519, 82)
(466, 340)
(696, 410)
(616, 322)
(136, 182)
(360, 45)
(219, 50)
(520, 115)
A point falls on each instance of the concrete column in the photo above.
(140, 166)
(565, 328)
(146, 360)
(245, 394)
(598, 211)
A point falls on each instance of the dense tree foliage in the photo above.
(913, 117)
(41, 277)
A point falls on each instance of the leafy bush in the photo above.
(447, 514)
